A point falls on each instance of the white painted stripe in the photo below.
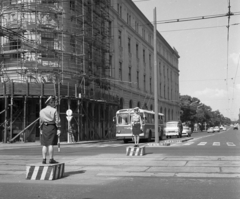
(216, 143)
(61, 170)
(35, 172)
(27, 171)
(202, 143)
(102, 145)
(137, 152)
(230, 144)
(188, 143)
(51, 174)
(44, 173)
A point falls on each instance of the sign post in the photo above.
(69, 118)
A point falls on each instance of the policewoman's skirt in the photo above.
(136, 129)
(49, 135)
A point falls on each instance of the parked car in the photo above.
(172, 129)
(223, 128)
(235, 127)
(210, 130)
(186, 131)
(216, 129)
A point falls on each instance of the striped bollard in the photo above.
(45, 171)
(135, 151)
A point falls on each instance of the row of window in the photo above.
(146, 35)
(167, 93)
(169, 74)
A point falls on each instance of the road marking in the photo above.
(202, 143)
(230, 144)
(103, 145)
(216, 143)
(188, 143)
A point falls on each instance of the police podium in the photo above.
(45, 171)
(135, 151)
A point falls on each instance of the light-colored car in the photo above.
(172, 129)
(216, 129)
(210, 130)
(223, 128)
(186, 131)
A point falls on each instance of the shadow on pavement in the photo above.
(66, 174)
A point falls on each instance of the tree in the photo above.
(193, 111)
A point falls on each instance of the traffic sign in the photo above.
(69, 112)
(69, 118)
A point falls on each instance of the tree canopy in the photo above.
(193, 111)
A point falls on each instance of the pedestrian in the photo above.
(180, 128)
(50, 129)
(136, 122)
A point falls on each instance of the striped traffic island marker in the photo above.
(45, 171)
(135, 151)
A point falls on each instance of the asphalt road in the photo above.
(207, 166)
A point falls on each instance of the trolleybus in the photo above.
(123, 124)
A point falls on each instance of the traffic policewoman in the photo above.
(136, 122)
(50, 129)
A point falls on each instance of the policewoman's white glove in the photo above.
(58, 132)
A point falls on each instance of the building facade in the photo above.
(133, 62)
(96, 56)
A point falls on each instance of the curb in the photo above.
(167, 142)
(37, 143)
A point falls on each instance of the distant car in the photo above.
(235, 127)
(216, 129)
(186, 131)
(224, 128)
(210, 130)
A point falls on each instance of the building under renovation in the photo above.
(96, 56)
(60, 48)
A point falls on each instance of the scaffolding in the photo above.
(56, 42)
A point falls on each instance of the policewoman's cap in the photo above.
(49, 99)
(136, 108)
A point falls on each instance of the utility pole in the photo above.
(155, 76)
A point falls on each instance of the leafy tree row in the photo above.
(193, 111)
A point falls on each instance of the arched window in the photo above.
(169, 116)
(151, 107)
(161, 110)
(130, 104)
(139, 105)
(145, 106)
(121, 103)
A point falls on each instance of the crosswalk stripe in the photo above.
(230, 144)
(104, 145)
(188, 143)
(202, 143)
(216, 143)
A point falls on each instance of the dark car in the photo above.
(235, 127)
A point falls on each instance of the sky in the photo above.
(208, 64)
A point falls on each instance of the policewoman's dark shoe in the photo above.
(44, 161)
(52, 161)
